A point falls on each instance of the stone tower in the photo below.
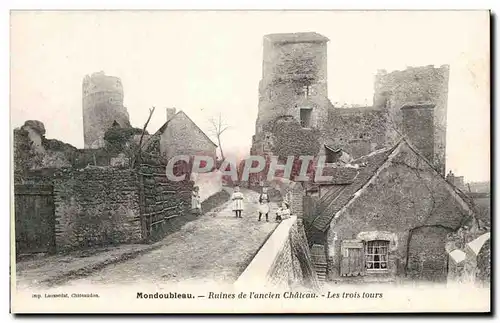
(102, 105)
(293, 87)
(416, 87)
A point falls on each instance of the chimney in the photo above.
(418, 127)
(170, 113)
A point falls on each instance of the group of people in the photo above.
(237, 197)
(283, 212)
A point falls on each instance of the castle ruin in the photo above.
(102, 106)
(296, 117)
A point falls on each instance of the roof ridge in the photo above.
(162, 128)
(360, 186)
(469, 201)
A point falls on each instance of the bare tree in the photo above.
(218, 126)
(137, 151)
(145, 126)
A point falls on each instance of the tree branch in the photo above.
(139, 149)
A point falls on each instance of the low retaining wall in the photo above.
(283, 261)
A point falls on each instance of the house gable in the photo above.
(340, 194)
(401, 163)
(181, 136)
(184, 116)
(405, 204)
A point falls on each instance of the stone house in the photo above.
(179, 135)
(386, 219)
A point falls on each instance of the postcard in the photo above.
(280, 161)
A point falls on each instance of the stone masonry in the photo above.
(284, 261)
(162, 200)
(111, 205)
(96, 206)
(102, 105)
(293, 100)
(416, 85)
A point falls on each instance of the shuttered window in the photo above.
(352, 263)
(359, 257)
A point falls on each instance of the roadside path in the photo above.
(217, 247)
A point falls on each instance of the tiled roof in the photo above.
(304, 37)
(339, 195)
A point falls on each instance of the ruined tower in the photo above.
(416, 86)
(102, 105)
(293, 87)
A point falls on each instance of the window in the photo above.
(305, 117)
(376, 254)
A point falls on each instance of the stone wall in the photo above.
(287, 68)
(96, 206)
(427, 258)
(358, 131)
(417, 85)
(483, 260)
(282, 273)
(296, 196)
(103, 205)
(294, 76)
(33, 151)
(285, 137)
(163, 201)
(418, 127)
(284, 261)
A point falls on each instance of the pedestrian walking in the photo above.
(237, 199)
(264, 204)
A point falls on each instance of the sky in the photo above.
(210, 62)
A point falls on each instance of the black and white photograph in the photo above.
(250, 161)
